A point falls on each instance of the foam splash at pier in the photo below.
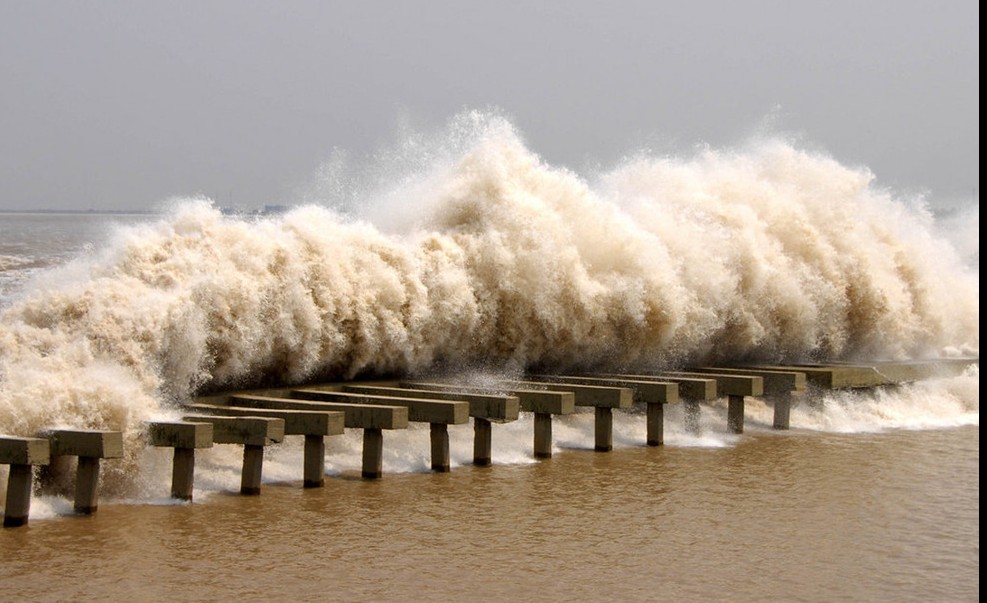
(488, 258)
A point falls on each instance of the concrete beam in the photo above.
(361, 416)
(253, 433)
(500, 408)
(484, 408)
(693, 389)
(543, 404)
(371, 418)
(726, 385)
(644, 390)
(603, 398)
(779, 388)
(314, 425)
(296, 422)
(96, 444)
(654, 394)
(420, 410)
(89, 446)
(180, 434)
(537, 401)
(21, 454)
(184, 438)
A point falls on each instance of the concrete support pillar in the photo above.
(482, 442)
(373, 453)
(253, 465)
(692, 413)
(735, 414)
(439, 435)
(183, 473)
(87, 485)
(783, 410)
(656, 424)
(604, 429)
(315, 461)
(543, 435)
(18, 503)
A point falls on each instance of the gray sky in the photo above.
(115, 105)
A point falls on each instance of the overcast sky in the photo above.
(115, 105)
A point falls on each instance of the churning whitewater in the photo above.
(491, 259)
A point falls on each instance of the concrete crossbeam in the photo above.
(726, 385)
(644, 390)
(603, 398)
(24, 451)
(95, 444)
(90, 446)
(779, 388)
(692, 389)
(448, 412)
(600, 396)
(253, 433)
(296, 422)
(361, 416)
(485, 406)
(245, 431)
(537, 401)
(371, 418)
(180, 434)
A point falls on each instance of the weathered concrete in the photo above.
(373, 453)
(603, 398)
(482, 442)
(439, 414)
(654, 394)
(543, 435)
(253, 433)
(21, 454)
(780, 388)
(370, 418)
(726, 385)
(484, 408)
(540, 401)
(89, 446)
(849, 375)
(499, 408)
(733, 387)
(184, 438)
(689, 388)
(359, 416)
(543, 403)
(314, 425)
(447, 412)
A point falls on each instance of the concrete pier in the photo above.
(540, 402)
(90, 446)
(21, 454)
(654, 394)
(734, 388)
(185, 438)
(439, 414)
(253, 433)
(369, 417)
(483, 408)
(312, 425)
(780, 388)
(602, 398)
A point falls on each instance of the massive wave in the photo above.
(487, 258)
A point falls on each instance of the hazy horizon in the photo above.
(121, 106)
